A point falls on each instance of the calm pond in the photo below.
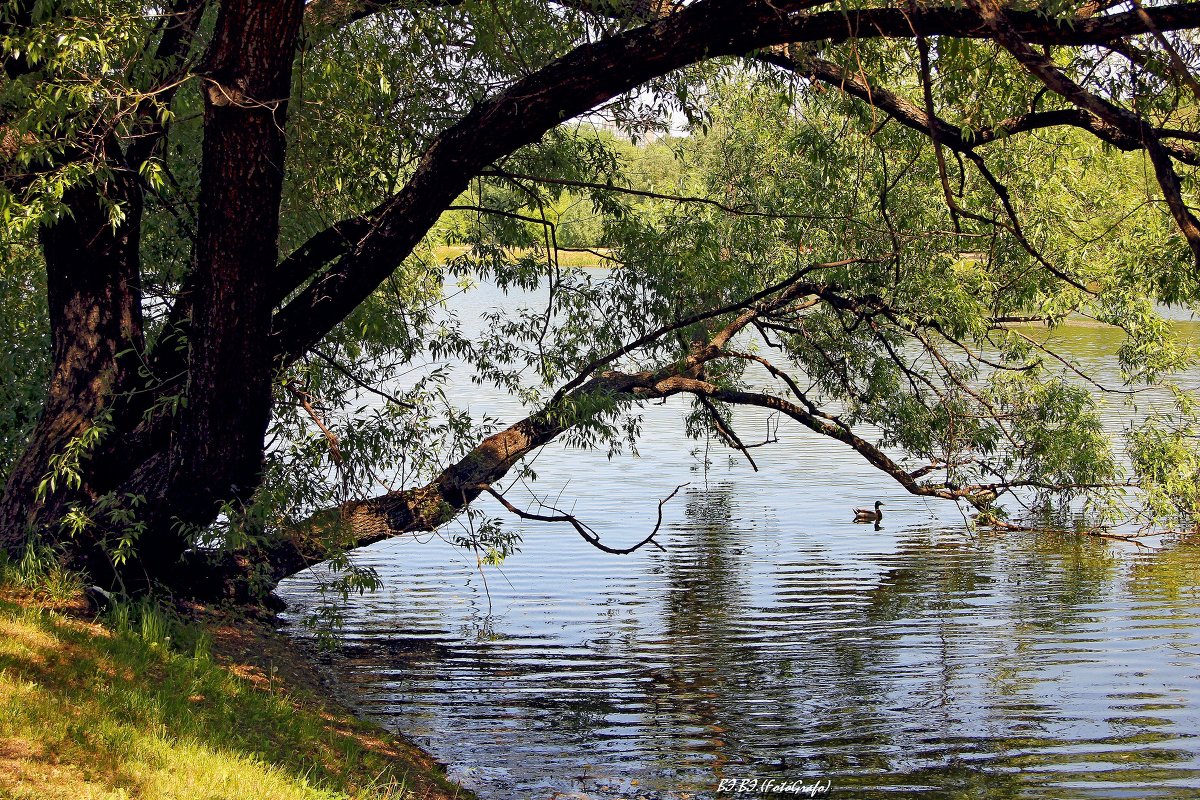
(773, 638)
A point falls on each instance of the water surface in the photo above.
(772, 638)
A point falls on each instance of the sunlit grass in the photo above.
(138, 708)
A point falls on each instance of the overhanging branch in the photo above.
(598, 71)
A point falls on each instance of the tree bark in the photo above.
(94, 298)
(181, 468)
(216, 450)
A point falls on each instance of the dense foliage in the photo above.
(853, 232)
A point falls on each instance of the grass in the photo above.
(145, 705)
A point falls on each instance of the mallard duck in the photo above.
(867, 515)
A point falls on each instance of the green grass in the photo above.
(40, 575)
(139, 707)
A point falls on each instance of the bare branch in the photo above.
(726, 432)
(589, 535)
(306, 403)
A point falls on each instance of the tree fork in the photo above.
(215, 452)
(181, 468)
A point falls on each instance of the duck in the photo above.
(867, 515)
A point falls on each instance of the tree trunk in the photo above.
(95, 319)
(215, 453)
(211, 450)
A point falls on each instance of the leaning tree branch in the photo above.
(956, 137)
(598, 71)
(678, 384)
(942, 133)
(362, 522)
(787, 290)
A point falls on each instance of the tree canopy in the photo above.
(230, 225)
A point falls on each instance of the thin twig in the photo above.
(589, 535)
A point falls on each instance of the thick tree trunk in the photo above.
(181, 469)
(95, 318)
(215, 452)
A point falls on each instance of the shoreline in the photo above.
(210, 704)
(304, 669)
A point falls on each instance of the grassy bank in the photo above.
(143, 705)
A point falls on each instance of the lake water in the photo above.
(771, 638)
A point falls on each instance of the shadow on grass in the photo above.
(139, 705)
